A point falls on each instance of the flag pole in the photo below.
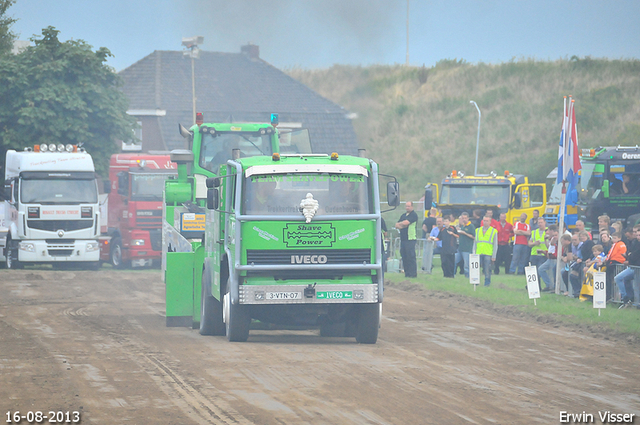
(563, 197)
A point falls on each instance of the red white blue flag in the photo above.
(568, 154)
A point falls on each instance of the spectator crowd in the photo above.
(500, 244)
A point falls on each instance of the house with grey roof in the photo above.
(229, 87)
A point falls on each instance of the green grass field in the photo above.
(509, 290)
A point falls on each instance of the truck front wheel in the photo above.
(11, 255)
(236, 318)
(116, 253)
(210, 314)
(368, 323)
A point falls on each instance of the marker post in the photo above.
(474, 270)
(599, 291)
(533, 287)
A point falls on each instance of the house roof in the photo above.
(232, 87)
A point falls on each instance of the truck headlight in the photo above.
(93, 246)
(27, 246)
(137, 242)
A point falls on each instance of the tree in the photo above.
(57, 92)
(6, 36)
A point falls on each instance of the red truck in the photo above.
(133, 235)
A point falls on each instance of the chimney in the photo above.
(251, 50)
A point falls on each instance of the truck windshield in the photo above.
(294, 141)
(591, 179)
(624, 178)
(470, 194)
(282, 194)
(148, 186)
(217, 149)
(58, 191)
(556, 193)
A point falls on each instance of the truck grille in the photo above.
(53, 225)
(60, 241)
(149, 218)
(61, 248)
(60, 252)
(296, 256)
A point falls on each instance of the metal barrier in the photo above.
(636, 283)
(424, 250)
(427, 255)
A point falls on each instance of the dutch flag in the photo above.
(569, 157)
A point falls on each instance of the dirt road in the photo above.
(96, 343)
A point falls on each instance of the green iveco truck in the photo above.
(291, 239)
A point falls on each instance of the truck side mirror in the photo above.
(107, 186)
(393, 193)
(517, 200)
(212, 182)
(428, 199)
(123, 183)
(6, 192)
(605, 188)
(212, 199)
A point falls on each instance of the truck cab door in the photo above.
(434, 189)
(528, 197)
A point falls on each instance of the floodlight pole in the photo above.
(478, 139)
(193, 85)
(192, 50)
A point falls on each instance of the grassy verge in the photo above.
(509, 290)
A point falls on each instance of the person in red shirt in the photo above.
(522, 232)
(494, 222)
(505, 233)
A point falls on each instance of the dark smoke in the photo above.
(347, 31)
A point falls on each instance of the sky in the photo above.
(320, 33)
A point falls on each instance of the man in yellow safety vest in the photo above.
(486, 245)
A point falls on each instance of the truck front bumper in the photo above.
(39, 251)
(309, 294)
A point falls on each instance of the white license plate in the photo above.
(284, 295)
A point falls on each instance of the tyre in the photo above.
(351, 325)
(116, 253)
(368, 323)
(211, 322)
(11, 256)
(236, 317)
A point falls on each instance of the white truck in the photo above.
(51, 207)
(3, 231)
